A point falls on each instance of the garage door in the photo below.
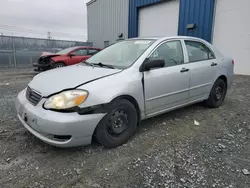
(159, 20)
(232, 32)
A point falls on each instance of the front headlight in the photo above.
(66, 100)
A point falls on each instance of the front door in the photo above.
(78, 56)
(167, 87)
(202, 64)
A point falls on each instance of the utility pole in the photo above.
(2, 37)
(14, 49)
(49, 35)
(49, 39)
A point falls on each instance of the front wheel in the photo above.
(58, 65)
(217, 94)
(118, 125)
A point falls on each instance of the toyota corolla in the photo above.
(107, 96)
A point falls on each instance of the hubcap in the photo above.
(118, 122)
(58, 66)
(218, 92)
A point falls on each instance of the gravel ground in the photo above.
(167, 151)
(15, 71)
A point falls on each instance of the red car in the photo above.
(66, 57)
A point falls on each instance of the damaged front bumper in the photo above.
(56, 128)
(42, 66)
(43, 63)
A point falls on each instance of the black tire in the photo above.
(58, 65)
(108, 133)
(217, 94)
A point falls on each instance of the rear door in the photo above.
(167, 87)
(78, 56)
(202, 63)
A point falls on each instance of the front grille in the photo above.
(43, 62)
(33, 96)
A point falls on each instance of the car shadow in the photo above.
(147, 124)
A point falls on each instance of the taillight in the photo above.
(233, 62)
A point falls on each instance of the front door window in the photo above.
(171, 52)
(80, 52)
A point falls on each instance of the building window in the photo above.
(106, 43)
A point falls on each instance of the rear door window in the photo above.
(198, 51)
(93, 51)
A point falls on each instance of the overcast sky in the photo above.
(65, 19)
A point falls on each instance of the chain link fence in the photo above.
(17, 52)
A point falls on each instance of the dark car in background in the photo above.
(66, 57)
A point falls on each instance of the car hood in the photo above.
(47, 53)
(56, 80)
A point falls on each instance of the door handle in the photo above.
(214, 64)
(184, 70)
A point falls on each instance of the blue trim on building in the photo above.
(199, 12)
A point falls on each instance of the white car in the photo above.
(108, 95)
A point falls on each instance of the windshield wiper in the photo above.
(104, 65)
(87, 63)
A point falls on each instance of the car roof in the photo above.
(166, 38)
(91, 47)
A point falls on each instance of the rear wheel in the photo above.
(118, 125)
(58, 65)
(217, 94)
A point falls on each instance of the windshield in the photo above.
(65, 51)
(122, 54)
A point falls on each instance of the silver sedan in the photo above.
(108, 95)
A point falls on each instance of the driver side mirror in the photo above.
(151, 64)
(71, 55)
